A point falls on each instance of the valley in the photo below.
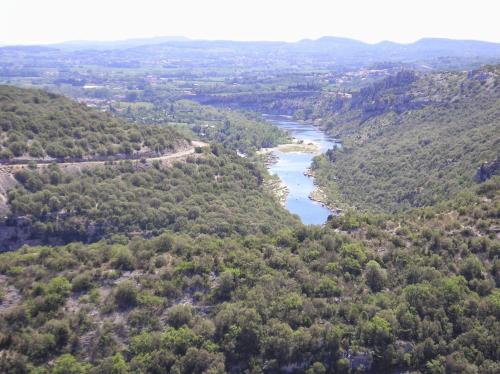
(155, 220)
(291, 165)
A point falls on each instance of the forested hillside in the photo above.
(217, 193)
(414, 293)
(244, 132)
(411, 140)
(38, 125)
(162, 254)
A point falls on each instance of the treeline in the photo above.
(364, 293)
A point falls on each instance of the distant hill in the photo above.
(117, 44)
(331, 52)
(342, 51)
(330, 44)
(349, 50)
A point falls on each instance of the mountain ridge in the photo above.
(136, 42)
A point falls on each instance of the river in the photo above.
(290, 168)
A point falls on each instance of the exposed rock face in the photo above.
(7, 181)
(487, 170)
(273, 102)
(14, 233)
(11, 296)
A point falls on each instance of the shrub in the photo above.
(82, 282)
(179, 315)
(13, 363)
(67, 364)
(125, 295)
(123, 259)
(375, 276)
(18, 148)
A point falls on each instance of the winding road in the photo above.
(7, 180)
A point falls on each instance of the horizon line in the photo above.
(187, 39)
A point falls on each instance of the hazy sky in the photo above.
(48, 21)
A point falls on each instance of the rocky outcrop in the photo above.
(487, 170)
(265, 102)
(14, 233)
(7, 181)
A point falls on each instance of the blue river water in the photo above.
(291, 166)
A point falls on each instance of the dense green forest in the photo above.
(37, 124)
(412, 141)
(416, 293)
(218, 193)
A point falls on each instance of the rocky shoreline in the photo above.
(319, 196)
(295, 145)
(279, 189)
(308, 146)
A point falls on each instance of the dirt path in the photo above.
(75, 166)
(7, 180)
(9, 169)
